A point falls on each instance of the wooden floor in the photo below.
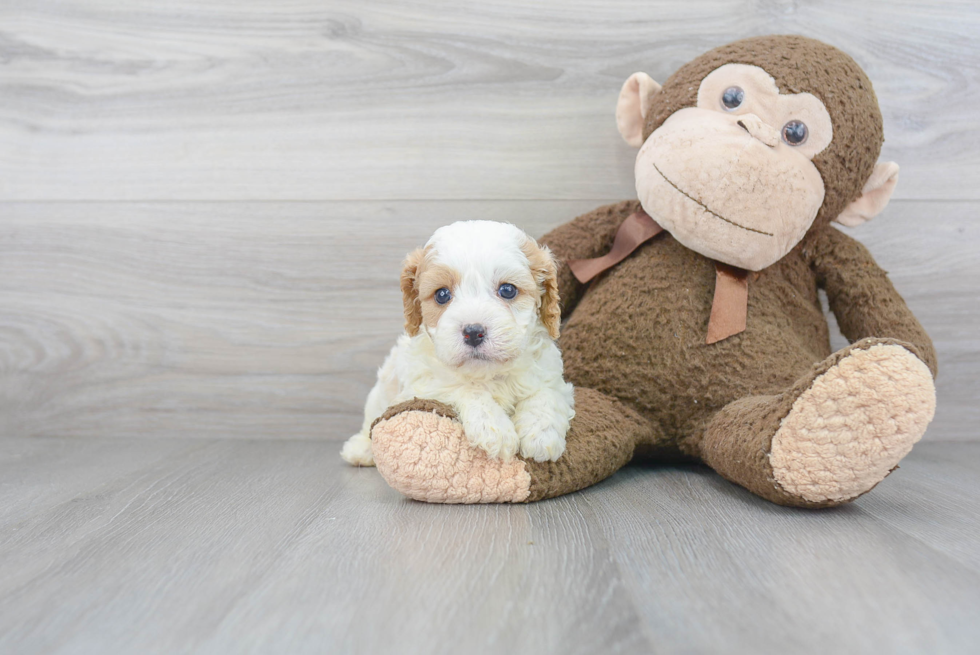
(241, 546)
(203, 209)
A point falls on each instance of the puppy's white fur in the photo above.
(508, 392)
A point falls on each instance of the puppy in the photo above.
(481, 317)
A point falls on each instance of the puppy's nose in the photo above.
(473, 335)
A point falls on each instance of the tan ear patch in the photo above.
(433, 278)
(410, 293)
(545, 272)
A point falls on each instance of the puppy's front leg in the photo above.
(541, 421)
(486, 425)
(357, 449)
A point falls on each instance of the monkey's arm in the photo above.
(590, 235)
(861, 295)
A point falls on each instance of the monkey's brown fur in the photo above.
(637, 334)
(634, 341)
(799, 65)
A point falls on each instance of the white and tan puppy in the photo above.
(481, 319)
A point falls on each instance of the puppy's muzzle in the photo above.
(473, 335)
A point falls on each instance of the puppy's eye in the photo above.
(507, 291)
(795, 133)
(732, 98)
(443, 296)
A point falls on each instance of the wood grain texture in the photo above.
(274, 547)
(717, 569)
(268, 320)
(203, 209)
(938, 501)
(220, 100)
(208, 319)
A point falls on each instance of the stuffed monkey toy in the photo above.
(693, 327)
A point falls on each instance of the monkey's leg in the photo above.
(834, 435)
(420, 450)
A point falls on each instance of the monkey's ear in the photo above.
(634, 103)
(874, 197)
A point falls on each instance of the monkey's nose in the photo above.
(758, 129)
(473, 335)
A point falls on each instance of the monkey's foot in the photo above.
(854, 423)
(420, 450)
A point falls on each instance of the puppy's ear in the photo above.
(545, 271)
(410, 291)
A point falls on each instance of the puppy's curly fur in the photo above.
(505, 379)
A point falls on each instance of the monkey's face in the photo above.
(733, 177)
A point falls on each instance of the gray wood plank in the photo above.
(208, 319)
(154, 557)
(269, 547)
(267, 320)
(508, 579)
(38, 473)
(934, 498)
(262, 546)
(715, 569)
(384, 100)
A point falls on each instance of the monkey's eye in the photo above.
(443, 296)
(795, 133)
(507, 291)
(732, 97)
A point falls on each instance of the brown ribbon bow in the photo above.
(729, 309)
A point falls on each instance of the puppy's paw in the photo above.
(493, 431)
(540, 440)
(357, 450)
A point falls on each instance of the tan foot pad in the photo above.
(426, 457)
(854, 424)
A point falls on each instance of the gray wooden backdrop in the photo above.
(204, 203)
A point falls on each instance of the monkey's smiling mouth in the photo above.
(705, 207)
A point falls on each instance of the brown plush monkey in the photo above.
(706, 339)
